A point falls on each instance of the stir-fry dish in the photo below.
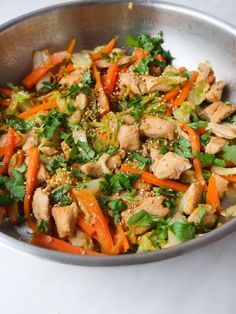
(115, 150)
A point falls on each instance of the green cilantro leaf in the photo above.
(19, 124)
(117, 206)
(229, 153)
(183, 230)
(182, 147)
(74, 90)
(207, 159)
(61, 195)
(143, 66)
(51, 123)
(164, 191)
(48, 86)
(140, 158)
(15, 185)
(200, 215)
(198, 124)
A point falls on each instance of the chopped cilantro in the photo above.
(229, 153)
(61, 195)
(205, 138)
(51, 123)
(118, 182)
(207, 159)
(117, 206)
(82, 152)
(15, 185)
(183, 230)
(74, 90)
(143, 66)
(164, 191)
(182, 147)
(19, 124)
(48, 86)
(140, 158)
(201, 213)
(198, 124)
(42, 227)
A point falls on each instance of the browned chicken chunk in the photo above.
(218, 111)
(97, 168)
(40, 205)
(65, 218)
(170, 166)
(155, 127)
(128, 138)
(209, 217)
(221, 185)
(215, 92)
(74, 77)
(215, 145)
(42, 175)
(227, 131)
(30, 143)
(191, 198)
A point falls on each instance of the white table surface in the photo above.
(200, 282)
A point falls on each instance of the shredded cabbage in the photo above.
(182, 114)
(81, 60)
(223, 171)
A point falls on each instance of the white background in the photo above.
(199, 282)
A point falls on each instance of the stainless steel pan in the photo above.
(191, 36)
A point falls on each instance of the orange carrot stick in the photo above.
(230, 178)
(212, 197)
(101, 226)
(11, 211)
(196, 146)
(150, 178)
(18, 139)
(102, 98)
(106, 50)
(110, 79)
(48, 242)
(71, 46)
(85, 226)
(139, 54)
(121, 233)
(31, 178)
(31, 79)
(20, 156)
(8, 150)
(69, 68)
(171, 94)
(159, 57)
(185, 90)
(45, 106)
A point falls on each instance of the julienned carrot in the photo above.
(171, 94)
(212, 197)
(88, 200)
(185, 90)
(150, 178)
(121, 233)
(71, 46)
(102, 98)
(183, 69)
(45, 106)
(196, 146)
(20, 156)
(111, 77)
(31, 178)
(230, 178)
(48, 242)
(31, 79)
(159, 57)
(106, 50)
(85, 226)
(8, 150)
(6, 91)
(69, 68)
(11, 211)
(139, 54)
(18, 139)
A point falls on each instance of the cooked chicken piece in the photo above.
(129, 120)
(152, 205)
(102, 64)
(81, 101)
(40, 205)
(114, 162)
(215, 92)
(170, 166)
(155, 127)
(75, 117)
(83, 240)
(155, 154)
(205, 72)
(208, 219)
(3, 140)
(97, 168)
(74, 77)
(42, 175)
(65, 218)
(30, 143)
(227, 131)
(215, 145)
(50, 151)
(61, 177)
(128, 137)
(125, 60)
(191, 198)
(221, 185)
(218, 111)
(187, 177)
(143, 186)
(66, 149)
(135, 83)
